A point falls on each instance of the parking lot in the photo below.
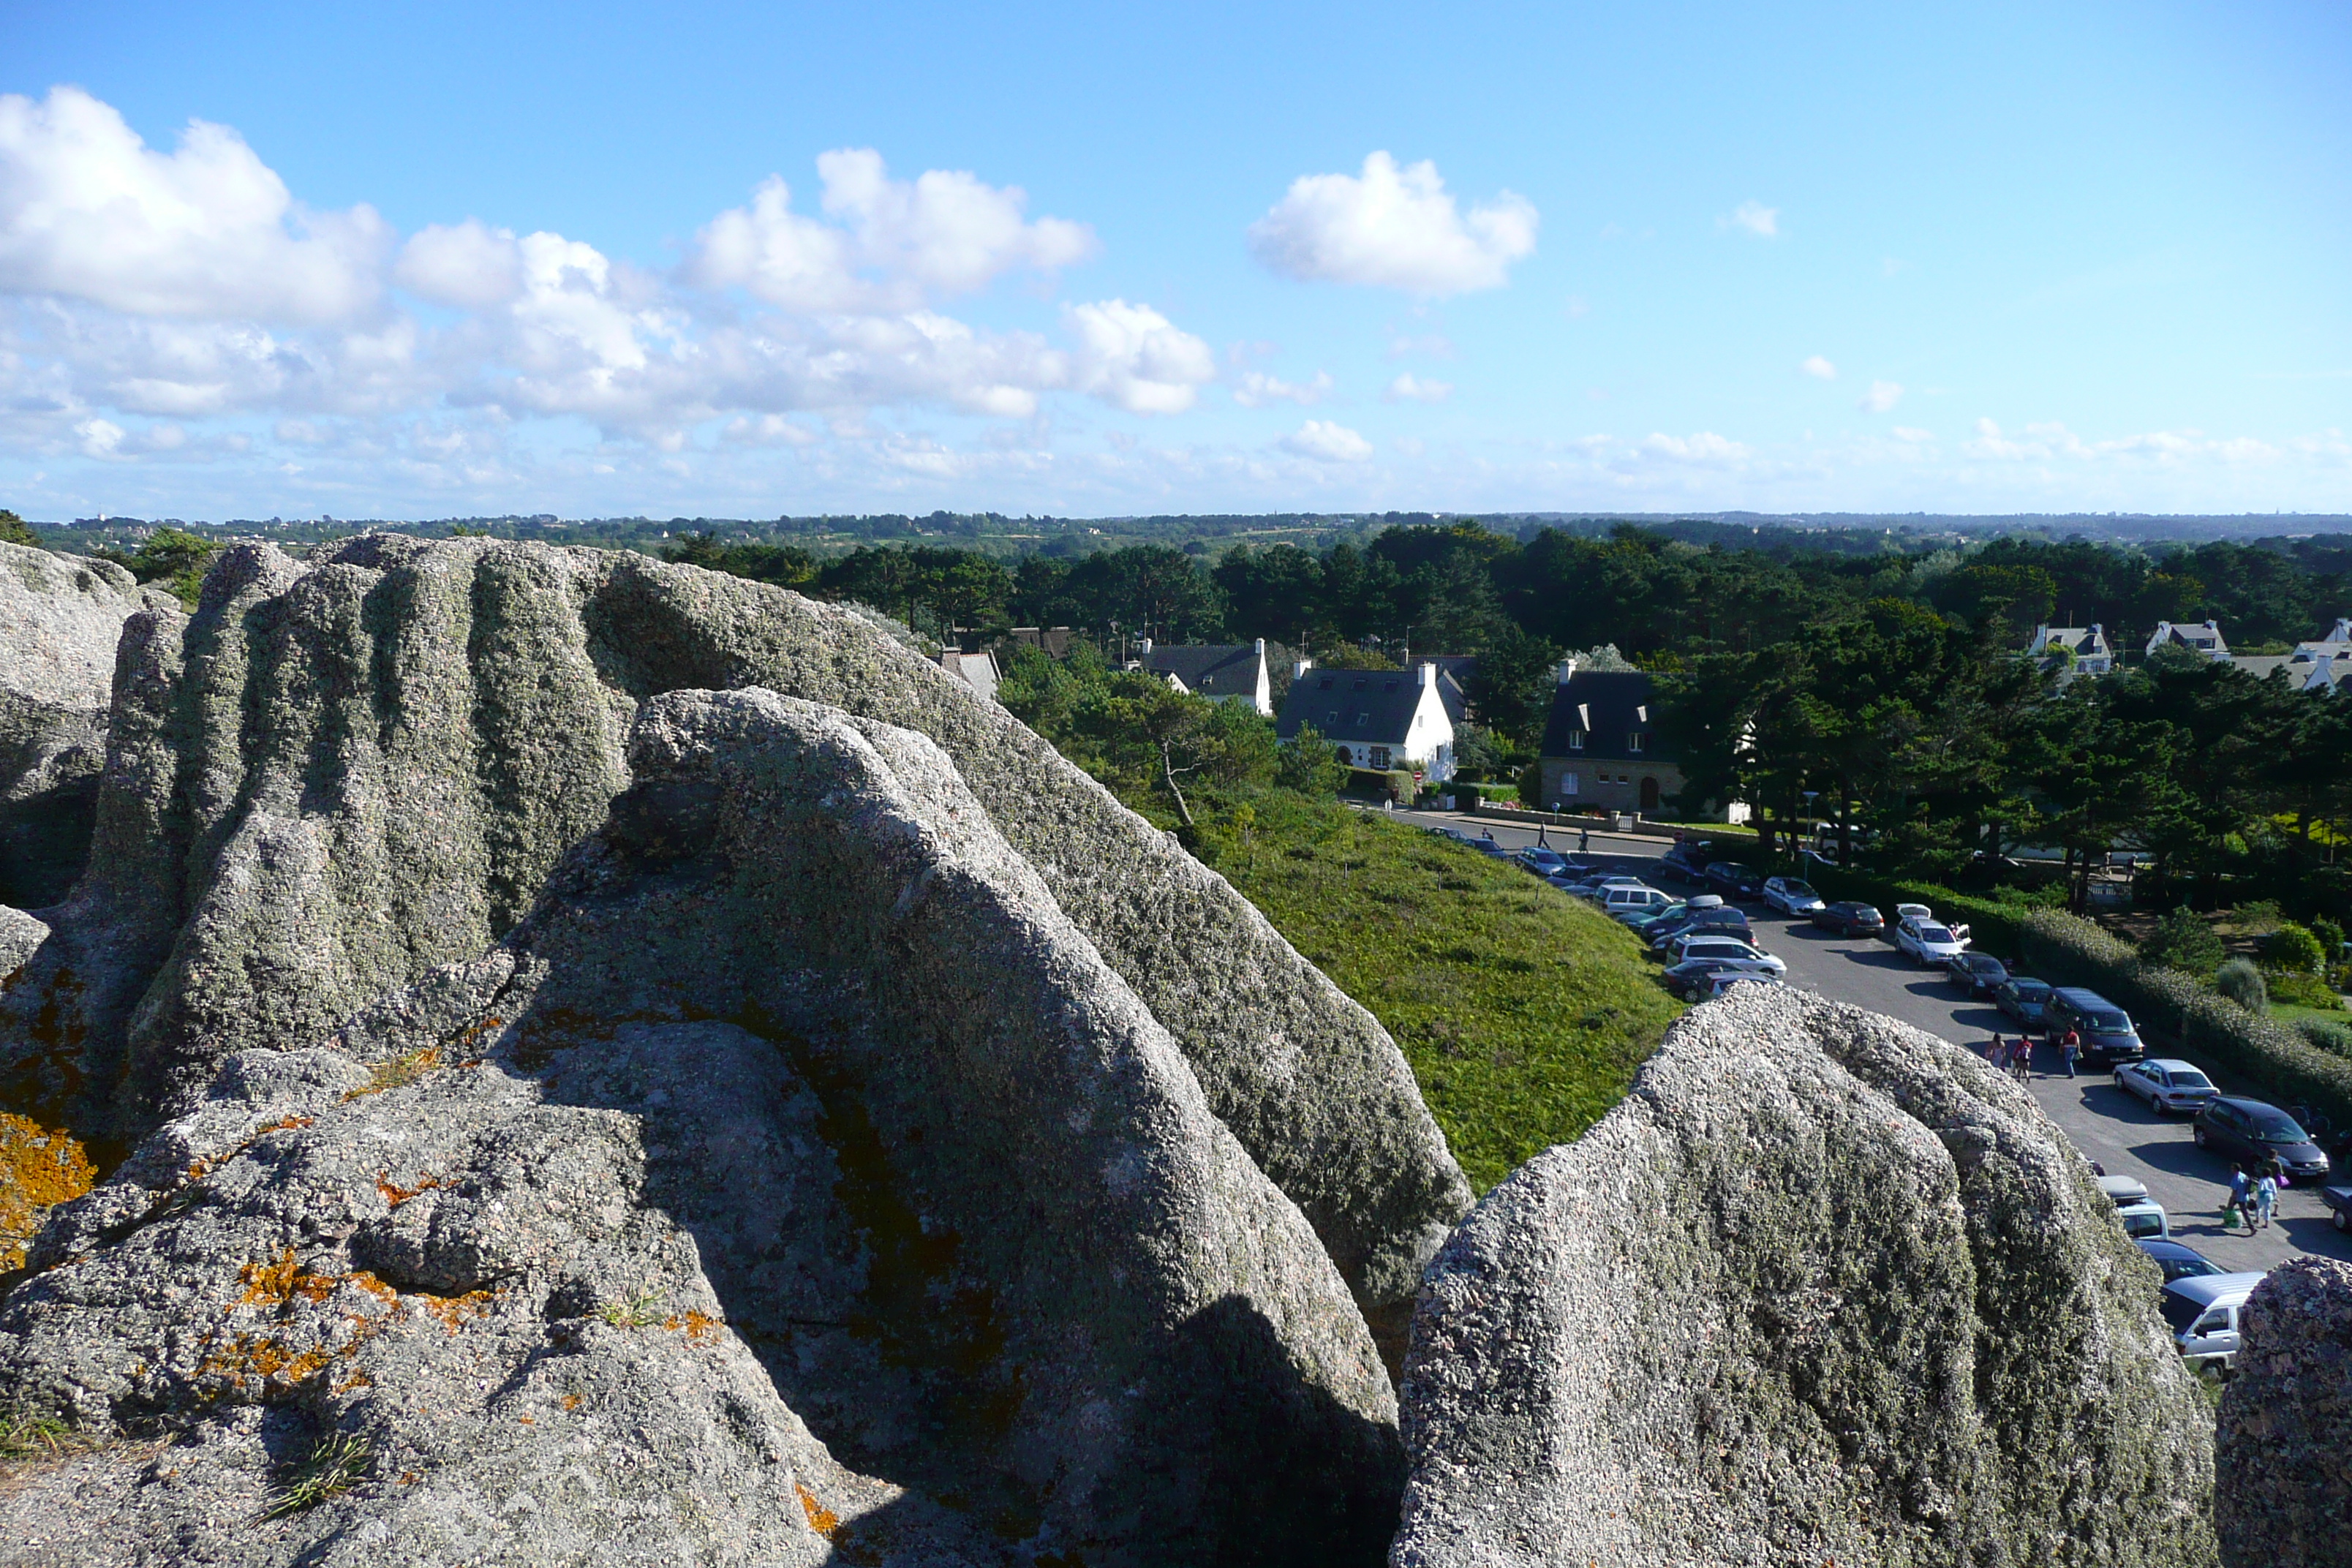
(2108, 1125)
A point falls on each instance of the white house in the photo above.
(2087, 646)
(2322, 664)
(1381, 719)
(2205, 639)
(1222, 672)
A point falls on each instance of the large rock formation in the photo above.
(2283, 1456)
(798, 1178)
(339, 776)
(1824, 1288)
(60, 617)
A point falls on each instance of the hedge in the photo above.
(2071, 951)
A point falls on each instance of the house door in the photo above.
(1649, 795)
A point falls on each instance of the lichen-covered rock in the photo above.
(797, 1178)
(339, 775)
(60, 617)
(2282, 1460)
(1822, 1289)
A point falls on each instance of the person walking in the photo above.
(2265, 1200)
(2070, 1046)
(1997, 1053)
(2241, 1190)
(1583, 840)
(2020, 1059)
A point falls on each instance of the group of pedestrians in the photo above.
(2015, 1057)
(2253, 1197)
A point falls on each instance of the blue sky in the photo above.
(439, 261)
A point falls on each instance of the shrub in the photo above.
(2327, 1035)
(2330, 937)
(2293, 949)
(2303, 991)
(2184, 941)
(2281, 1061)
(2241, 982)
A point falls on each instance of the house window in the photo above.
(1389, 687)
(1324, 684)
(1379, 756)
(1567, 783)
(1634, 744)
(1363, 718)
(1576, 740)
(1358, 687)
(1332, 717)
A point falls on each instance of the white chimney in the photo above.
(1145, 644)
(1299, 672)
(1567, 669)
(1428, 674)
(1261, 649)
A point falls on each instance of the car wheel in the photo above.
(2196, 1136)
(2341, 1220)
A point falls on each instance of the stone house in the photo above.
(1601, 746)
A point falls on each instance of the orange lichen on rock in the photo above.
(397, 1195)
(821, 1519)
(268, 1284)
(398, 1073)
(455, 1312)
(694, 1325)
(39, 1168)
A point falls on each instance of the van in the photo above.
(2202, 1312)
(1626, 900)
(2105, 1029)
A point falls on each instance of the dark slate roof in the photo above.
(1212, 669)
(1372, 707)
(1611, 701)
(1450, 692)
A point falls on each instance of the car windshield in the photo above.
(2189, 1268)
(1983, 963)
(2276, 1128)
(1795, 889)
(2187, 1078)
(2032, 991)
(2143, 1224)
(2115, 1021)
(1933, 934)
(1734, 868)
(2178, 1311)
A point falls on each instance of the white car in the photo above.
(1793, 896)
(2166, 1084)
(2145, 1221)
(1636, 899)
(1929, 941)
(1743, 957)
(2202, 1311)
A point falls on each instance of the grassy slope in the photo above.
(1523, 1013)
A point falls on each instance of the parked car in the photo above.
(1687, 860)
(2339, 1207)
(1694, 979)
(2124, 1191)
(2105, 1029)
(2166, 1084)
(1849, 919)
(1732, 979)
(2145, 1220)
(1733, 880)
(2251, 1132)
(1913, 911)
(2202, 1312)
(1543, 862)
(1977, 973)
(1721, 920)
(2023, 1000)
(1640, 898)
(1792, 894)
(2179, 1261)
(1930, 941)
(1596, 889)
(1711, 944)
(1489, 848)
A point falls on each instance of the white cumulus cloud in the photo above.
(1135, 357)
(89, 212)
(896, 243)
(1818, 366)
(1327, 442)
(468, 264)
(1395, 227)
(1756, 218)
(1409, 387)
(1257, 389)
(1882, 397)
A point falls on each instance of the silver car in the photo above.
(1793, 896)
(1736, 954)
(2166, 1084)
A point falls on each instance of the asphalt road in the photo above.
(2108, 1124)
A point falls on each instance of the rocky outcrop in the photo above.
(60, 617)
(2284, 1455)
(797, 1182)
(339, 776)
(1822, 1289)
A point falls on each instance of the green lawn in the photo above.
(1523, 1013)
